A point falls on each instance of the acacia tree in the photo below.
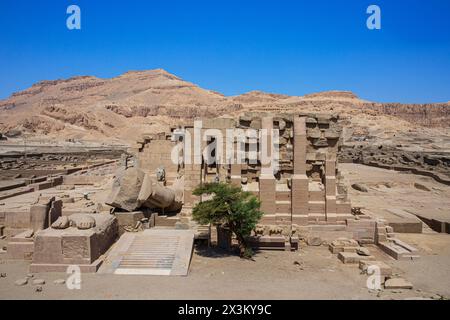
(229, 205)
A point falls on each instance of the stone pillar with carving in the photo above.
(193, 168)
(300, 181)
(267, 181)
(330, 188)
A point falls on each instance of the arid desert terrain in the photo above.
(67, 139)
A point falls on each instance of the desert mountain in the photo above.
(137, 102)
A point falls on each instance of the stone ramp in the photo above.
(151, 252)
(399, 250)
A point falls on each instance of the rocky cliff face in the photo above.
(431, 115)
(149, 101)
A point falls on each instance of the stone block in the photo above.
(330, 186)
(268, 219)
(406, 226)
(397, 283)
(283, 207)
(20, 250)
(341, 244)
(268, 242)
(349, 257)
(54, 249)
(283, 218)
(299, 195)
(397, 251)
(11, 232)
(76, 249)
(55, 211)
(316, 207)
(314, 241)
(331, 205)
(381, 238)
(127, 219)
(24, 236)
(316, 196)
(125, 191)
(267, 194)
(343, 207)
(352, 257)
(283, 196)
(362, 251)
(332, 217)
(17, 219)
(82, 180)
(39, 216)
(330, 168)
(300, 219)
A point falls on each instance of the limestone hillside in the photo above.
(138, 102)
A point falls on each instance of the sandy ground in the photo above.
(388, 189)
(432, 271)
(273, 275)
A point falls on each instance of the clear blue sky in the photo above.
(234, 46)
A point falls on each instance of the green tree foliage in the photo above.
(231, 207)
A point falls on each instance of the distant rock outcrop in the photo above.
(148, 101)
(333, 95)
(431, 114)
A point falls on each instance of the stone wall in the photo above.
(305, 189)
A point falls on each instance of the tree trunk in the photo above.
(242, 245)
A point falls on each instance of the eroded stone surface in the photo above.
(61, 223)
(21, 282)
(363, 251)
(38, 282)
(397, 283)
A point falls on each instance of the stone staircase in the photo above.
(151, 252)
(166, 221)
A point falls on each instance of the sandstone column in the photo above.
(235, 164)
(193, 169)
(236, 174)
(267, 182)
(330, 188)
(299, 190)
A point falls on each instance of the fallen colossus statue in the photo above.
(133, 189)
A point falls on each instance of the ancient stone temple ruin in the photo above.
(303, 190)
(288, 161)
